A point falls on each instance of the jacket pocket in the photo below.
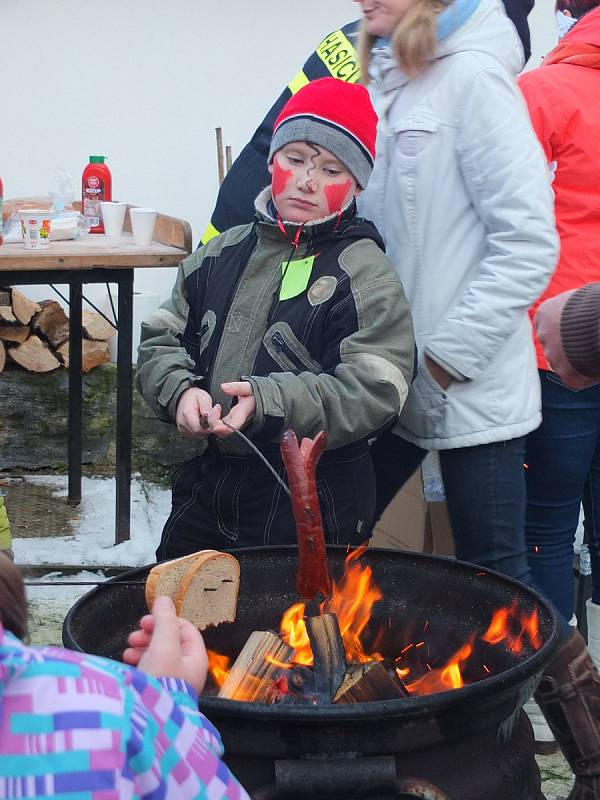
(197, 342)
(287, 351)
(425, 409)
(413, 136)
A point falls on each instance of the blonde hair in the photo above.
(413, 41)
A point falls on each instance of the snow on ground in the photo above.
(92, 540)
(48, 605)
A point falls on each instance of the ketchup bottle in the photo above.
(1, 204)
(96, 186)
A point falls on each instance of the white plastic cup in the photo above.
(142, 225)
(113, 216)
(35, 228)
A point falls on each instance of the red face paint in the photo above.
(336, 194)
(279, 179)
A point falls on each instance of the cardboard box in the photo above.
(409, 523)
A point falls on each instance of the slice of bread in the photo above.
(203, 586)
(166, 577)
(209, 590)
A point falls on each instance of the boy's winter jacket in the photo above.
(73, 725)
(313, 316)
(563, 97)
(461, 195)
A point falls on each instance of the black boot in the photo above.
(569, 696)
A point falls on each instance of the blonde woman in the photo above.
(461, 194)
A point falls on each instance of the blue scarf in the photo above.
(448, 21)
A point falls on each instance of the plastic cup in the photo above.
(113, 216)
(142, 225)
(35, 228)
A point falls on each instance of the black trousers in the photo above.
(221, 502)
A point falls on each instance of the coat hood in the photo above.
(485, 30)
(581, 46)
(488, 31)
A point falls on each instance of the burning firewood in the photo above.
(329, 653)
(253, 676)
(301, 467)
(372, 681)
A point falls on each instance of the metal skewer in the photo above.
(253, 447)
(83, 583)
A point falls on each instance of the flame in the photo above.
(352, 601)
(510, 626)
(293, 631)
(446, 677)
(218, 666)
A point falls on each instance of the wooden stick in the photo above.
(372, 681)
(228, 157)
(257, 667)
(329, 653)
(220, 159)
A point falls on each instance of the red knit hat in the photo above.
(336, 115)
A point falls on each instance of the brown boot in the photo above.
(569, 696)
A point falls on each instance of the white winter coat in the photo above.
(461, 194)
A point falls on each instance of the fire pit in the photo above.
(463, 744)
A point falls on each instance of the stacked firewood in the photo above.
(36, 335)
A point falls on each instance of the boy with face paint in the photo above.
(297, 320)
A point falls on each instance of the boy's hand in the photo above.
(166, 646)
(241, 413)
(196, 414)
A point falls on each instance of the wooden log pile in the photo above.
(264, 671)
(35, 336)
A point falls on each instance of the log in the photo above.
(52, 323)
(329, 654)
(257, 668)
(92, 354)
(34, 355)
(14, 333)
(2, 355)
(4, 297)
(6, 314)
(96, 327)
(23, 307)
(372, 681)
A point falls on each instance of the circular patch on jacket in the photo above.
(321, 290)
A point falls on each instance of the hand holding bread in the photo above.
(166, 646)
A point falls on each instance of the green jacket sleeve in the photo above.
(164, 368)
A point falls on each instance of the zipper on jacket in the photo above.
(283, 347)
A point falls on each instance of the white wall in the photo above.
(146, 82)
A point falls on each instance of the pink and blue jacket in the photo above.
(78, 727)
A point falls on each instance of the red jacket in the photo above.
(563, 96)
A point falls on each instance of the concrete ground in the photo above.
(42, 512)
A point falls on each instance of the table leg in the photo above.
(124, 401)
(75, 393)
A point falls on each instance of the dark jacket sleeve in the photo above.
(580, 330)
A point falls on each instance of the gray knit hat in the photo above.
(338, 116)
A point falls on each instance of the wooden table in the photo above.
(97, 259)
